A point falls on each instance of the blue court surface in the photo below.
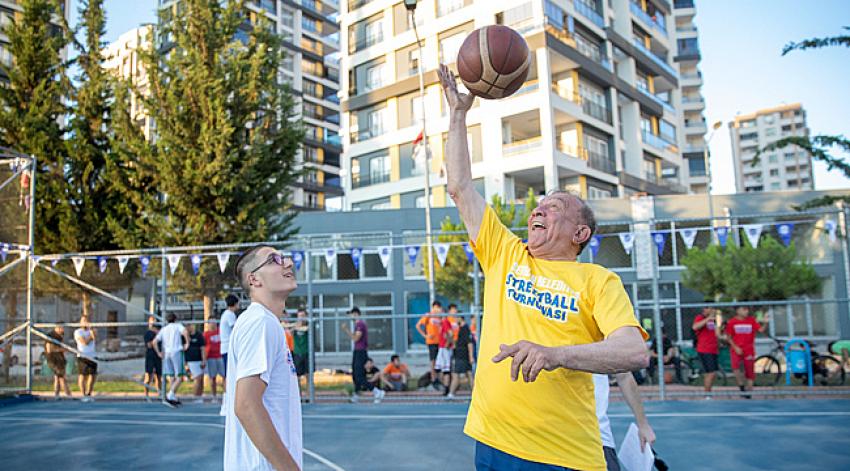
(692, 435)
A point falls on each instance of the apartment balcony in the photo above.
(359, 135)
(686, 31)
(355, 4)
(597, 111)
(693, 104)
(589, 13)
(363, 180)
(657, 142)
(692, 80)
(594, 160)
(688, 54)
(365, 42)
(654, 57)
(522, 147)
(698, 127)
(647, 19)
(684, 9)
(654, 98)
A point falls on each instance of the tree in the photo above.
(222, 161)
(453, 280)
(770, 272)
(820, 146)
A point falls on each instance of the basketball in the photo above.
(493, 62)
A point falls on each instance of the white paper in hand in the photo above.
(630, 454)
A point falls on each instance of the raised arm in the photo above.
(470, 203)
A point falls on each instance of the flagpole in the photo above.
(428, 241)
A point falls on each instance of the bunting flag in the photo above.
(122, 263)
(594, 245)
(78, 264)
(784, 231)
(753, 232)
(384, 252)
(145, 261)
(4, 251)
(469, 252)
(101, 264)
(660, 239)
(722, 235)
(688, 237)
(222, 258)
(356, 255)
(442, 253)
(412, 253)
(174, 261)
(831, 227)
(35, 260)
(54, 262)
(330, 257)
(297, 259)
(196, 263)
(628, 241)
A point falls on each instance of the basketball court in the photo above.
(692, 435)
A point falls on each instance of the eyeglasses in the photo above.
(275, 258)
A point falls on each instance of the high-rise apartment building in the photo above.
(601, 112)
(8, 10)
(121, 57)
(311, 39)
(692, 123)
(789, 168)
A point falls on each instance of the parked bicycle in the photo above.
(826, 370)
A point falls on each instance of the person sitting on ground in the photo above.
(373, 374)
(671, 357)
(395, 375)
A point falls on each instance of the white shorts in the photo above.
(195, 369)
(215, 367)
(172, 363)
(444, 360)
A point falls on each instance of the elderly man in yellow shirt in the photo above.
(550, 322)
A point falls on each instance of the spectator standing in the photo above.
(741, 331)
(228, 320)
(429, 328)
(301, 335)
(153, 363)
(360, 337)
(175, 341)
(86, 338)
(196, 358)
(215, 365)
(463, 360)
(706, 327)
(55, 356)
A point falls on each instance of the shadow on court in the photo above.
(692, 435)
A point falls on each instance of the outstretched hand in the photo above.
(457, 101)
(528, 357)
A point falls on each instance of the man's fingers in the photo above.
(534, 371)
(504, 352)
(516, 364)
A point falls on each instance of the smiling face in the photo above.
(555, 228)
(272, 278)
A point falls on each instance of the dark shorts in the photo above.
(461, 365)
(56, 362)
(300, 364)
(86, 366)
(709, 362)
(224, 360)
(611, 458)
(488, 458)
(153, 365)
(433, 348)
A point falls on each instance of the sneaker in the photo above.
(171, 396)
(168, 403)
(354, 399)
(449, 397)
(707, 397)
(199, 401)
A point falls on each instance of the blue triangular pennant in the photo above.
(660, 238)
(101, 264)
(145, 261)
(722, 234)
(196, 263)
(297, 259)
(412, 253)
(356, 253)
(785, 229)
(594, 245)
(468, 251)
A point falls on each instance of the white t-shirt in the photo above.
(225, 326)
(600, 392)
(258, 347)
(85, 350)
(172, 338)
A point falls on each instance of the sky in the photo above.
(742, 68)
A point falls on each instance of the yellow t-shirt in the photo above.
(551, 303)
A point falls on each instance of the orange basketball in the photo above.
(493, 61)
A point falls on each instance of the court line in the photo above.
(321, 459)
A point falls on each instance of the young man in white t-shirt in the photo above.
(86, 337)
(631, 394)
(175, 341)
(263, 402)
(225, 326)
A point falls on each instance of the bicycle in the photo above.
(826, 370)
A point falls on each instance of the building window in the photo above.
(594, 193)
(444, 7)
(367, 123)
(770, 132)
(774, 172)
(365, 33)
(449, 47)
(696, 167)
(649, 171)
(773, 158)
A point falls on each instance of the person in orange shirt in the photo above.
(453, 319)
(395, 375)
(429, 327)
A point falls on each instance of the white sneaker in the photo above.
(199, 401)
(354, 399)
(449, 397)
(707, 397)
(85, 399)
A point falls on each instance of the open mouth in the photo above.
(537, 225)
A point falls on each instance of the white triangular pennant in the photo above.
(78, 264)
(223, 258)
(442, 253)
(384, 252)
(330, 257)
(753, 232)
(628, 241)
(688, 237)
(122, 262)
(35, 260)
(174, 261)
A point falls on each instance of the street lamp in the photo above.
(705, 155)
(411, 7)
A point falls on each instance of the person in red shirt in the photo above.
(741, 331)
(706, 327)
(215, 364)
(444, 355)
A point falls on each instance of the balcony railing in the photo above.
(528, 88)
(683, 3)
(595, 160)
(656, 99)
(589, 13)
(363, 180)
(655, 141)
(355, 4)
(367, 41)
(652, 56)
(596, 110)
(518, 147)
(367, 133)
(566, 94)
(644, 16)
